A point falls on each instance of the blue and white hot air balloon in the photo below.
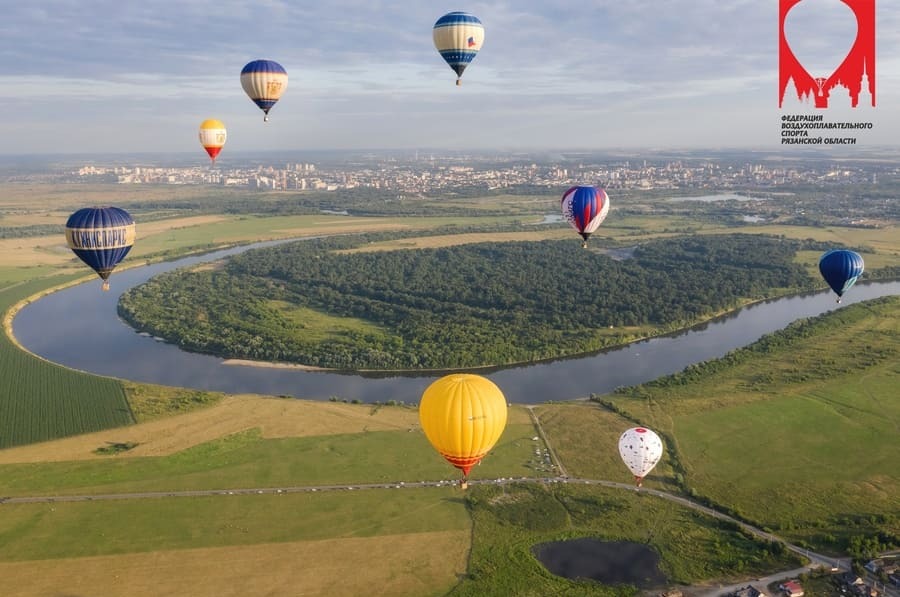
(101, 237)
(458, 36)
(585, 208)
(264, 81)
(841, 268)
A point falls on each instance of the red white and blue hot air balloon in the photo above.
(841, 268)
(264, 81)
(585, 208)
(458, 36)
(101, 237)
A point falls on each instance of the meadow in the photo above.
(809, 417)
(809, 414)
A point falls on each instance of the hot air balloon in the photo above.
(841, 268)
(212, 137)
(101, 237)
(463, 416)
(264, 81)
(640, 449)
(585, 208)
(458, 36)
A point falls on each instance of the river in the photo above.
(78, 327)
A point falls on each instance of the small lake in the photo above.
(607, 562)
(79, 327)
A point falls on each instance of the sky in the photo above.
(107, 76)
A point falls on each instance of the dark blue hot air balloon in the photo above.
(264, 81)
(101, 237)
(841, 268)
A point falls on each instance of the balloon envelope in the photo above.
(585, 208)
(212, 137)
(640, 450)
(841, 268)
(264, 81)
(101, 237)
(458, 36)
(463, 416)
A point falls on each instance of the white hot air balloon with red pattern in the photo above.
(640, 449)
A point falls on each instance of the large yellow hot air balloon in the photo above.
(463, 416)
(212, 137)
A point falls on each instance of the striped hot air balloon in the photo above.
(463, 416)
(101, 237)
(585, 208)
(264, 81)
(212, 137)
(841, 268)
(458, 36)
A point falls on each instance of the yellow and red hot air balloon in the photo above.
(212, 137)
(463, 416)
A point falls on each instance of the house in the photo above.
(749, 591)
(791, 588)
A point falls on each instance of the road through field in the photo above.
(816, 560)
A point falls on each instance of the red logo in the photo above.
(800, 50)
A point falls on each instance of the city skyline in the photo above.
(100, 76)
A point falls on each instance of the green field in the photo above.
(811, 418)
(510, 520)
(41, 401)
(318, 326)
(79, 529)
(248, 460)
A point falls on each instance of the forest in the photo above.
(488, 304)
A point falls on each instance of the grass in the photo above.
(316, 326)
(585, 437)
(812, 422)
(509, 521)
(421, 563)
(150, 402)
(247, 459)
(82, 529)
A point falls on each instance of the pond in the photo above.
(608, 562)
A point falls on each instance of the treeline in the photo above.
(462, 306)
(857, 354)
(356, 202)
(32, 230)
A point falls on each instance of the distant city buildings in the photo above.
(428, 177)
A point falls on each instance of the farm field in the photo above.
(179, 541)
(359, 447)
(410, 542)
(41, 401)
(824, 396)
